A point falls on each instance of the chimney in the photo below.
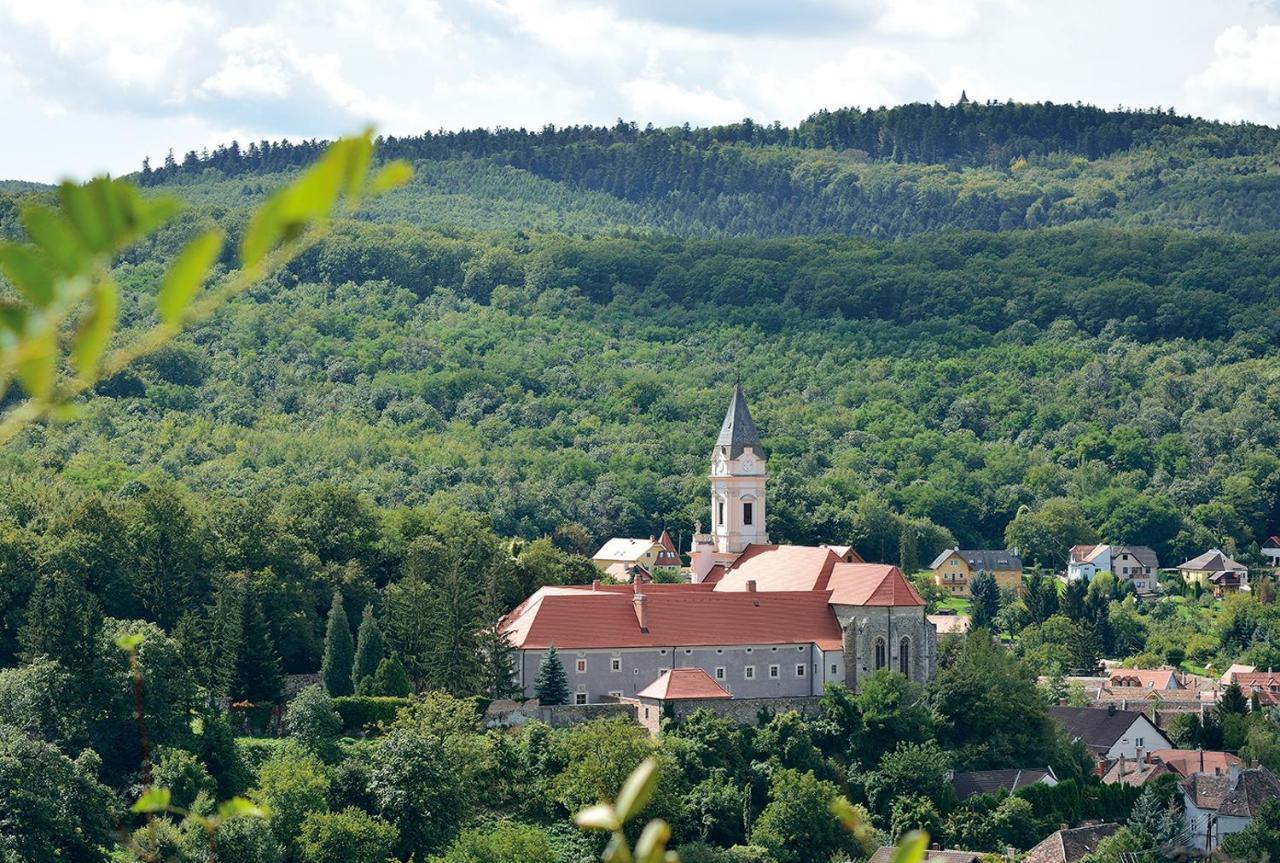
(751, 585)
(1122, 765)
(1139, 760)
(641, 604)
(595, 584)
(1234, 773)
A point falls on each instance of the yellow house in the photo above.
(954, 569)
(1215, 571)
(617, 556)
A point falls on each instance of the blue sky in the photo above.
(90, 86)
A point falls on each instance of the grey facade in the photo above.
(898, 638)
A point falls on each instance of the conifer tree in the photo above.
(389, 680)
(258, 674)
(63, 621)
(339, 650)
(408, 605)
(499, 657)
(552, 684)
(369, 649)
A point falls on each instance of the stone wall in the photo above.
(747, 710)
(507, 714)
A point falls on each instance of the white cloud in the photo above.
(135, 77)
(1243, 80)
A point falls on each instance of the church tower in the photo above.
(737, 491)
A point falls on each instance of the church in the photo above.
(760, 620)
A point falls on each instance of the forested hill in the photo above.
(881, 173)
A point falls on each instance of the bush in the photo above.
(504, 843)
(183, 774)
(313, 721)
(349, 836)
(360, 714)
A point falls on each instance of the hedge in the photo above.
(362, 713)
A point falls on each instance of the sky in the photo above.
(92, 86)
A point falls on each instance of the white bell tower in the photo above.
(737, 491)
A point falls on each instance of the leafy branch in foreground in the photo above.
(56, 329)
(651, 847)
(156, 800)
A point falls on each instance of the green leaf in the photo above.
(637, 790)
(153, 800)
(240, 807)
(392, 175)
(95, 330)
(263, 232)
(50, 232)
(30, 272)
(81, 210)
(186, 274)
(36, 364)
(652, 844)
(13, 317)
(130, 641)
(598, 817)
(359, 155)
(911, 848)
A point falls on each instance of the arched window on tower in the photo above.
(880, 654)
(904, 656)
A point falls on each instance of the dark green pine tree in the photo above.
(369, 650)
(1073, 597)
(63, 622)
(339, 650)
(1233, 702)
(552, 684)
(986, 599)
(258, 675)
(499, 657)
(390, 679)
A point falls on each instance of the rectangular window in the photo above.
(581, 666)
(747, 514)
(580, 698)
(720, 513)
(719, 672)
(835, 669)
(800, 671)
(774, 671)
(615, 664)
(749, 672)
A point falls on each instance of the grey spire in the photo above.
(739, 430)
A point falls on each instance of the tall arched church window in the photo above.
(880, 654)
(904, 656)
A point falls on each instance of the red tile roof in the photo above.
(683, 683)
(1158, 678)
(678, 615)
(1187, 761)
(877, 584)
(780, 567)
(1264, 683)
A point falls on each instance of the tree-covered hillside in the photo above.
(881, 173)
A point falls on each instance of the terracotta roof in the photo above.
(1069, 846)
(1127, 772)
(1098, 729)
(1229, 676)
(818, 568)
(1212, 560)
(1159, 678)
(1185, 762)
(714, 574)
(624, 548)
(1264, 683)
(876, 584)
(683, 684)
(1085, 553)
(678, 615)
(1273, 541)
(738, 430)
(967, 784)
(780, 567)
(668, 556)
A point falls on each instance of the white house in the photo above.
(1217, 805)
(1271, 550)
(1110, 734)
(1136, 563)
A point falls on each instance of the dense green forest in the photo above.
(1031, 325)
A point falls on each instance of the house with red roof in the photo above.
(1271, 550)
(757, 619)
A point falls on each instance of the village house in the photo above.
(1169, 762)
(954, 569)
(761, 620)
(1070, 845)
(1263, 685)
(966, 784)
(1109, 734)
(1215, 571)
(619, 557)
(1216, 805)
(1271, 550)
(1136, 563)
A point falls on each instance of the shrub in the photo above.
(313, 721)
(350, 836)
(360, 714)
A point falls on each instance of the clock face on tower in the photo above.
(748, 464)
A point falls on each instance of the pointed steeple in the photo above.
(738, 431)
